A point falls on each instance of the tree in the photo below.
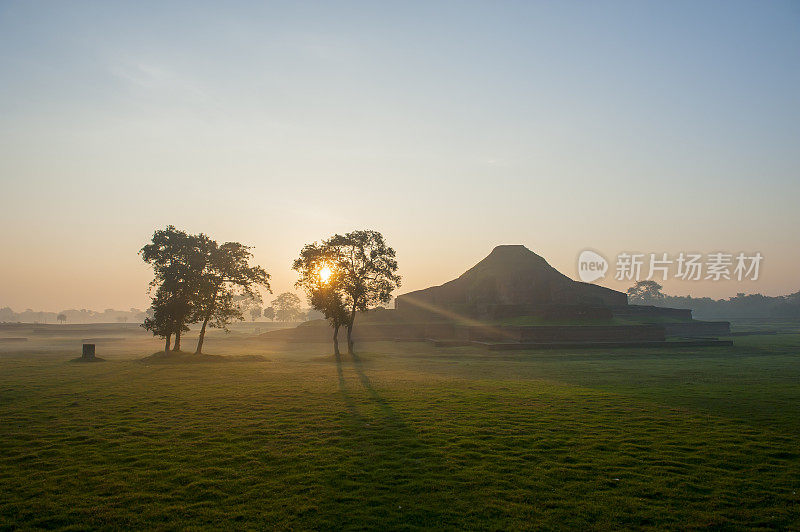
(61, 318)
(322, 284)
(287, 307)
(167, 316)
(361, 269)
(226, 274)
(248, 306)
(645, 292)
(368, 272)
(269, 313)
(177, 261)
(7, 314)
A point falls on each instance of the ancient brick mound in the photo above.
(511, 279)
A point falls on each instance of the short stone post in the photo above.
(88, 352)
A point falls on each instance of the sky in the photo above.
(451, 127)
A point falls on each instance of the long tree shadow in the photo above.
(388, 418)
(394, 479)
(348, 399)
(386, 409)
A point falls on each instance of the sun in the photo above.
(325, 273)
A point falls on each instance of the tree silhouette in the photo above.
(364, 270)
(177, 263)
(198, 280)
(61, 318)
(226, 273)
(325, 293)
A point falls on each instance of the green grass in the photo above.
(405, 436)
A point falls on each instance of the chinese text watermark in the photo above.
(662, 266)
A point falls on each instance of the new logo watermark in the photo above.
(591, 266)
(684, 266)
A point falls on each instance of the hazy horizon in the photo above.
(449, 127)
(609, 281)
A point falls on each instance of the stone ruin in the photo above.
(88, 354)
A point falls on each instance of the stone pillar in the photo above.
(88, 352)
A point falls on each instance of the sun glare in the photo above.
(325, 274)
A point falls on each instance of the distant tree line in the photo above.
(133, 315)
(286, 308)
(740, 306)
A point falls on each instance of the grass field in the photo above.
(403, 436)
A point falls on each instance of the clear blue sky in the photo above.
(449, 126)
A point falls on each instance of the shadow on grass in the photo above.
(389, 414)
(391, 477)
(348, 399)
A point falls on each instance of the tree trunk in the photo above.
(212, 306)
(350, 344)
(336, 340)
(177, 346)
(168, 341)
(202, 337)
(350, 339)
